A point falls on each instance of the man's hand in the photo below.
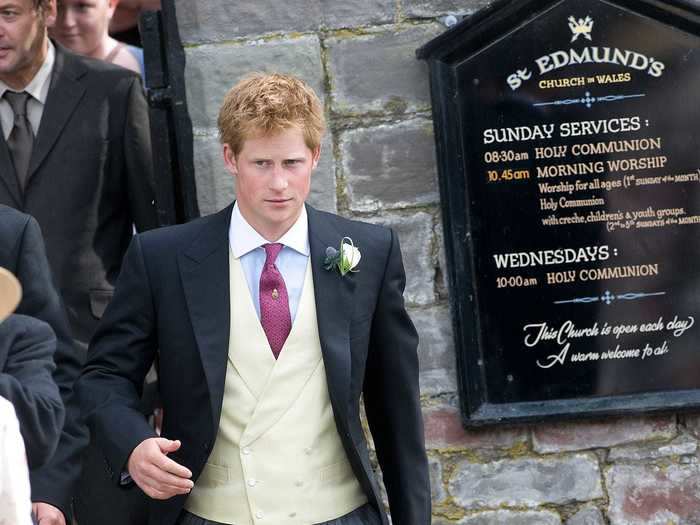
(157, 475)
(46, 514)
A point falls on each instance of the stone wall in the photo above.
(379, 165)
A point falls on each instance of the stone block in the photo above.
(512, 517)
(526, 482)
(214, 184)
(437, 486)
(213, 69)
(560, 437)
(436, 353)
(652, 495)
(438, 381)
(390, 166)
(415, 237)
(436, 8)
(217, 20)
(379, 72)
(587, 516)
(220, 20)
(354, 13)
(681, 446)
(692, 423)
(323, 194)
(216, 187)
(444, 430)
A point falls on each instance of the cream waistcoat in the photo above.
(278, 458)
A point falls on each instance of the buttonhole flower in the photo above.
(345, 259)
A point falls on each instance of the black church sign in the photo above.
(568, 140)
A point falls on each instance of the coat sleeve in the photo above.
(138, 159)
(28, 346)
(121, 353)
(392, 399)
(53, 482)
(41, 300)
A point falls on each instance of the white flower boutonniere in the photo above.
(345, 259)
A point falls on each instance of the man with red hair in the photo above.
(272, 322)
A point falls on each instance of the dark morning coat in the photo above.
(90, 180)
(27, 346)
(173, 299)
(22, 252)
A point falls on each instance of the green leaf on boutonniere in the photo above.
(345, 259)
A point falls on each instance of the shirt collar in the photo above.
(38, 87)
(243, 238)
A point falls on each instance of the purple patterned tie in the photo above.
(274, 303)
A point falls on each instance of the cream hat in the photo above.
(10, 293)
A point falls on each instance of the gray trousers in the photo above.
(365, 515)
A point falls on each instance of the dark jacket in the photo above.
(173, 299)
(89, 181)
(22, 252)
(27, 346)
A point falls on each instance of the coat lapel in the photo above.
(334, 306)
(204, 269)
(65, 92)
(7, 174)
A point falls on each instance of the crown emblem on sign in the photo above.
(582, 26)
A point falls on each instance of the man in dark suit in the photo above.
(22, 252)
(27, 346)
(75, 154)
(89, 176)
(269, 328)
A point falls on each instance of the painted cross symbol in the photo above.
(608, 297)
(588, 99)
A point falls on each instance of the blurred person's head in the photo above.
(23, 39)
(82, 25)
(10, 293)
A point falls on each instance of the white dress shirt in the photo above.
(38, 88)
(15, 495)
(247, 246)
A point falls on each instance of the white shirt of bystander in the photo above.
(15, 494)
